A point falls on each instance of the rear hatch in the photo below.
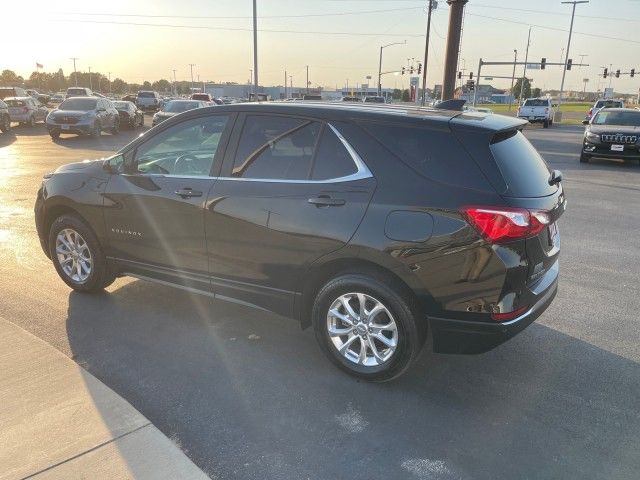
(534, 108)
(522, 178)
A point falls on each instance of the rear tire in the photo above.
(32, 121)
(116, 127)
(401, 342)
(77, 255)
(97, 130)
(584, 158)
(545, 124)
(55, 135)
(5, 126)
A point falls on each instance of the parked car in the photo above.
(78, 92)
(537, 110)
(83, 116)
(612, 133)
(5, 119)
(58, 98)
(603, 103)
(43, 98)
(205, 97)
(6, 92)
(130, 98)
(26, 110)
(373, 99)
(175, 107)
(149, 100)
(371, 225)
(130, 115)
(351, 99)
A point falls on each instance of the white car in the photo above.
(149, 100)
(26, 110)
(537, 110)
(603, 103)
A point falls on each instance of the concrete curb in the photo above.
(57, 421)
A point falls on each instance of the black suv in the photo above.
(370, 223)
(612, 133)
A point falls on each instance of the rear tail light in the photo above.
(591, 111)
(25, 110)
(503, 317)
(499, 225)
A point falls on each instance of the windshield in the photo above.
(200, 96)
(81, 104)
(15, 103)
(536, 102)
(177, 107)
(76, 91)
(625, 119)
(608, 104)
(121, 105)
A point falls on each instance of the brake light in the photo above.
(25, 110)
(500, 225)
(503, 317)
(591, 111)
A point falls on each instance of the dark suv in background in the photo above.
(370, 224)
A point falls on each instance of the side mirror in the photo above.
(585, 122)
(114, 164)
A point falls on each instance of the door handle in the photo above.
(326, 201)
(188, 193)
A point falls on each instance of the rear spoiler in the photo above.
(454, 104)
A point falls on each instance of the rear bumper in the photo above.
(77, 128)
(533, 119)
(20, 117)
(471, 337)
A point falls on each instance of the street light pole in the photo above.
(90, 81)
(255, 49)
(513, 76)
(566, 58)
(380, 64)
(524, 70)
(432, 5)
(175, 90)
(191, 65)
(109, 83)
(307, 90)
(75, 74)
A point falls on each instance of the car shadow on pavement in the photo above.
(247, 394)
(7, 138)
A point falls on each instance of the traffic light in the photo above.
(470, 75)
(605, 73)
(459, 75)
(402, 70)
(471, 85)
(411, 69)
(419, 68)
(618, 73)
(632, 72)
(569, 63)
(543, 63)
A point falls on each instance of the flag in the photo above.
(38, 65)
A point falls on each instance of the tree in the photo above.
(536, 92)
(397, 94)
(119, 86)
(146, 85)
(9, 78)
(161, 85)
(405, 95)
(526, 90)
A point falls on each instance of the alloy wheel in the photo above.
(74, 255)
(362, 329)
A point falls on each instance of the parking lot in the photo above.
(247, 394)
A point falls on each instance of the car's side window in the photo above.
(187, 148)
(332, 158)
(276, 148)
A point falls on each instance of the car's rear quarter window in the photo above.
(524, 171)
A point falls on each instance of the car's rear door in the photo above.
(154, 215)
(291, 190)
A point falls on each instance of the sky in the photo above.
(339, 39)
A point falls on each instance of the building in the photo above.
(482, 94)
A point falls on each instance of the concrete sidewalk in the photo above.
(57, 421)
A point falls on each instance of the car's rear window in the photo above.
(523, 169)
(76, 91)
(146, 95)
(200, 96)
(536, 102)
(609, 104)
(436, 155)
(16, 103)
(80, 104)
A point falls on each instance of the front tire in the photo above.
(77, 255)
(116, 127)
(545, 124)
(97, 130)
(584, 158)
(6, 124)
(367, 326)
(54, 135)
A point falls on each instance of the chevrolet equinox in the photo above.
(372, 224)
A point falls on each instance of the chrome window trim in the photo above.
(362, 171)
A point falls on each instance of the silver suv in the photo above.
(148, 100)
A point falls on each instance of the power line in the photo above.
(336, 14)
(542, 12)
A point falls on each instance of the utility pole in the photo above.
(175, 90)
(453, 47)
(566, 58)
(255, 49)
(513, 77)
(75, 74)
(307, 80)
(109, 83)
(191, 65)
(380, 64)
(432, 6)
(250, 83)
(524, 70)
(90, 81)
(291, 84)
(285, 85)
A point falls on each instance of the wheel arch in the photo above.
(56, 210)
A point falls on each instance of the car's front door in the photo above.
(289, 192)
(154, 214)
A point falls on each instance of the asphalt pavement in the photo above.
(249, 395)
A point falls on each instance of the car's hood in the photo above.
(85, 165)
(69, 113)
(614, 129)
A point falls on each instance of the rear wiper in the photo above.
(556, 177)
